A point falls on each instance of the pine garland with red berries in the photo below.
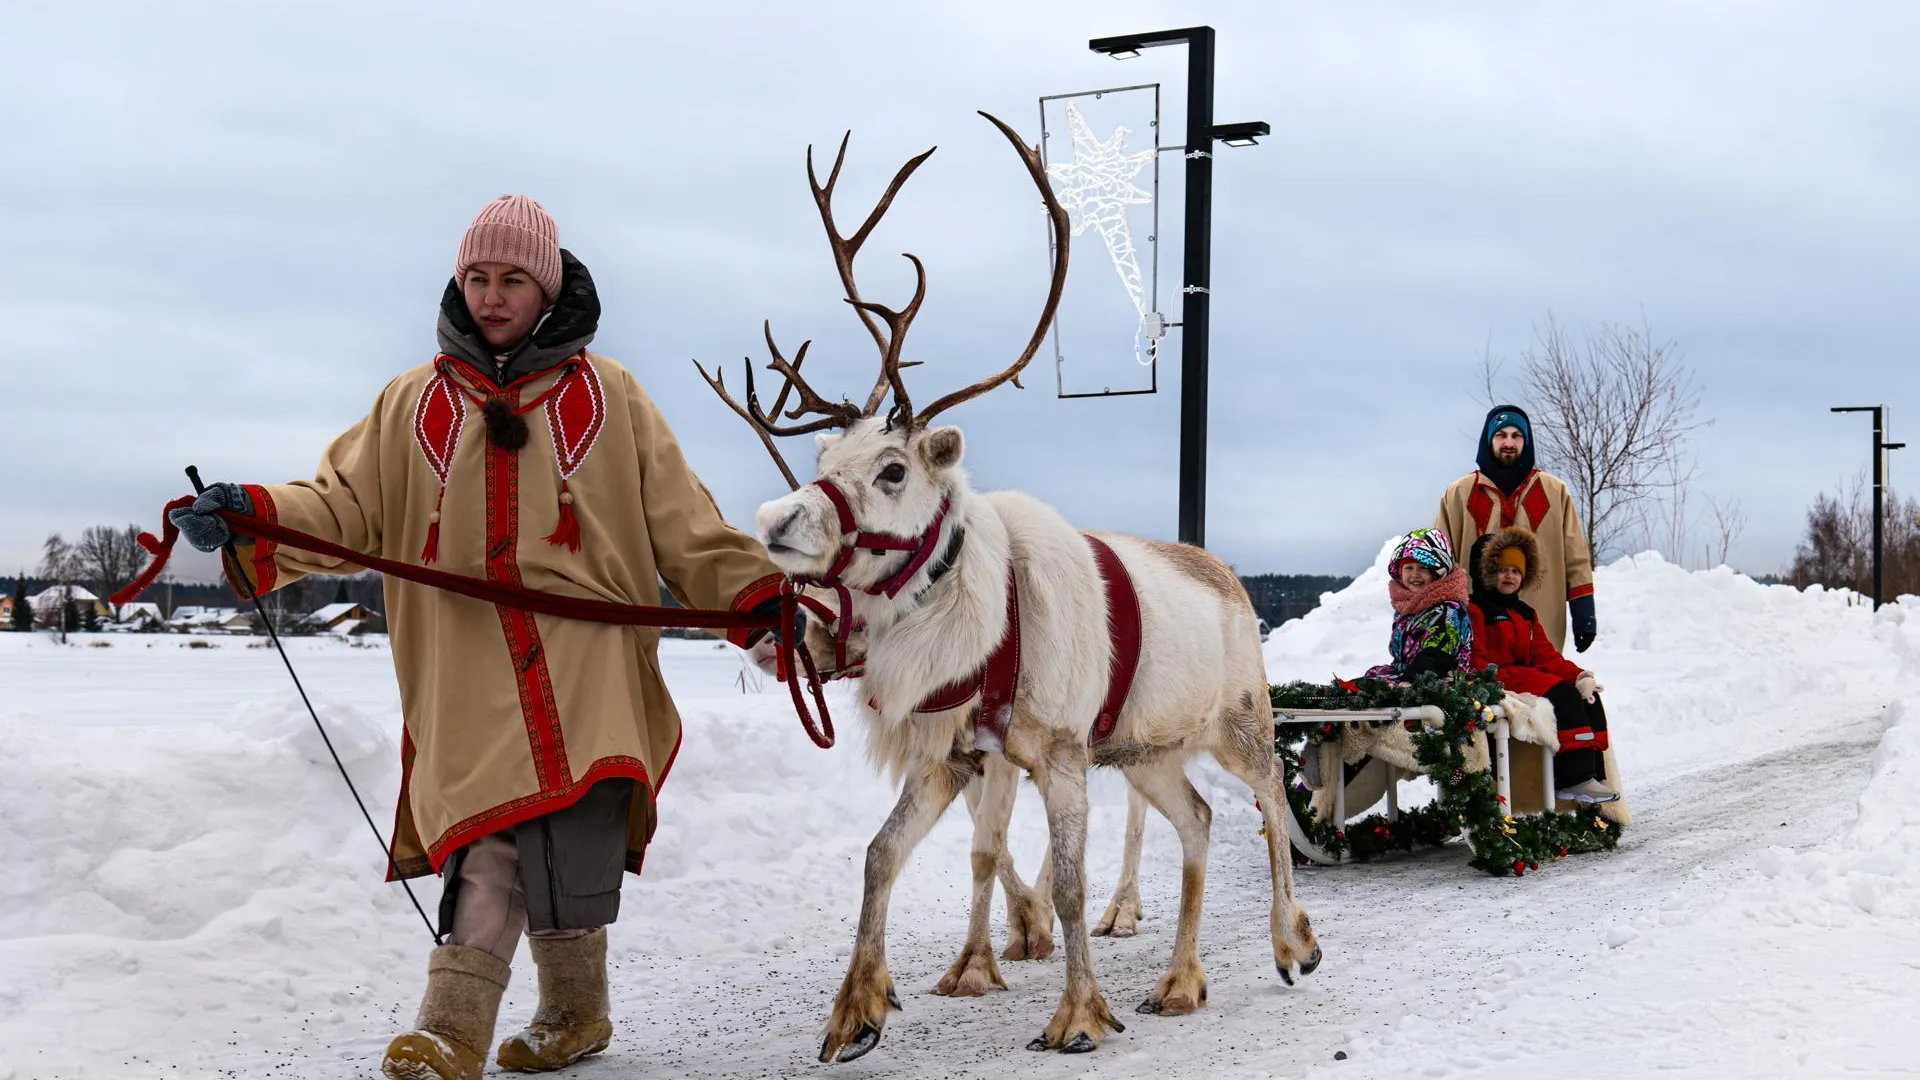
(1502, 844)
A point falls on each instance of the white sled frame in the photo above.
(1429, 717)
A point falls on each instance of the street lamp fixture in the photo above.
(1246, 134)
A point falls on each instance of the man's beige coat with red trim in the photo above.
(1473, 506)
(510, 715)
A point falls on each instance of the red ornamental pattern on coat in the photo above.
(575, 414)
(437, 421)
(1531, 498)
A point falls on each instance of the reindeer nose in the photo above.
(778, 532)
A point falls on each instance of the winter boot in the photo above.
(1587, 791)
(455, 1025)
(571, 1021)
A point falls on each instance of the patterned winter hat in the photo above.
(1430, 548)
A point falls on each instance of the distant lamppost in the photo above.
(1195, 301)
(1880, 448)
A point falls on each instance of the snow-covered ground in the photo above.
(190, 891)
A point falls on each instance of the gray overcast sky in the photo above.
(224, 226)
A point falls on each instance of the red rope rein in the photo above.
(524, 599)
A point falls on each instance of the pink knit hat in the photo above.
(515, 230)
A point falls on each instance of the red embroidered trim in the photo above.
(438, 419)
(528, 807)
(394, 870)
(574, 417)
(266, 572)
(1480, 508)
(1535, 503)
(524, 648)
(755, 594)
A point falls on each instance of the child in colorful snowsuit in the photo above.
(1507, 634)
(1432, 634)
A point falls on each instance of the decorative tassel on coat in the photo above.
(567, 533)
(431, 552)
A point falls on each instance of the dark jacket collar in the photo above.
(563, 330)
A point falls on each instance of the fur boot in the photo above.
(455, 1025)
(571, 1021)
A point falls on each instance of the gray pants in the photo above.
(556, 876)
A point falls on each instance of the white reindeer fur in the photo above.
(1201, 676)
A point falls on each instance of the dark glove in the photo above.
(1431, 661)
(771, 610)
(201, 524)
(1584, 626)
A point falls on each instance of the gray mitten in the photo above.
(201, 523)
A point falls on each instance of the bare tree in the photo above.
(1611, 412)
(1837, 550)
(1729, 521)
(107, 559)
(57, 567)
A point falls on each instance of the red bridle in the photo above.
(853, 540)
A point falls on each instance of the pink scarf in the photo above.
(1413, 601)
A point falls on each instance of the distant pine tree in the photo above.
(1279, 598)
(22, 614)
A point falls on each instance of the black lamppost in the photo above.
(1196, 274)
(1880, 448)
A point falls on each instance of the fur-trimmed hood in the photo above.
(1485, 557)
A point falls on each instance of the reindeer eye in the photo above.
(893, 473)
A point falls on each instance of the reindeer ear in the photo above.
(825, 440)
(941, 448)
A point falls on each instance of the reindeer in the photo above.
(999, 639)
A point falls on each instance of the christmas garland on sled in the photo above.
(1502, 844)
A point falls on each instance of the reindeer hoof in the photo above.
(1079, 1044)
(893, 1002)
(868, 1038)
(1286, 974)
(1038, 1044)
(1148, 1007)
(1311, 962)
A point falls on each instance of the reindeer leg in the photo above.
(1183, 989)
(1082, 1017)
(990, 802)
(860, 1009)
(1248, 754)
(1123, 915)
(1029, 910)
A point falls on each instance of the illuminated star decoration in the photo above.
(1096, 188)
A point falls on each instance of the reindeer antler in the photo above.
(845, 248)
(718, 380)
(763, 422)
(888, 326)
(1057, 217)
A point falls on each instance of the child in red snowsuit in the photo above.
(1507, 634)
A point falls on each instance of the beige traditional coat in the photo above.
(510, 715)
(1473, 506)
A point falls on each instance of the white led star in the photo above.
(1096, 188)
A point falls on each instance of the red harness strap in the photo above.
(997, 681)
(1123, 630)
